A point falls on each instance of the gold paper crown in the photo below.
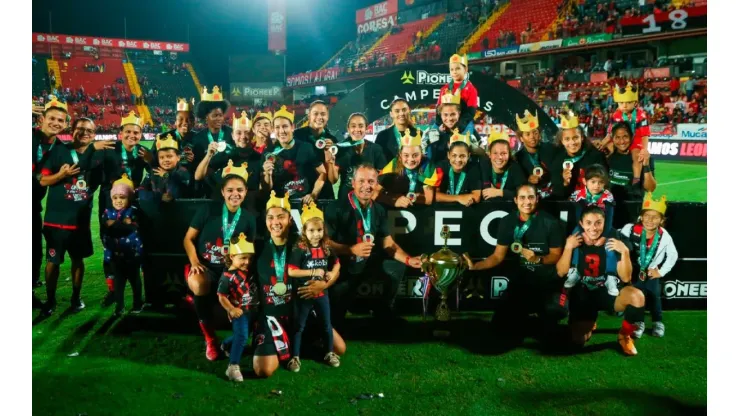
(409, 140)
(457, 59)
(242, 246)
(284, 113)
(242, 123)
(167, 143)
(124, 181)
(184, 105)
(568, 121)
(497, 135)
(650, 203)
(457, 137)
(215, 96)
(240, 171)
(274, 202)
(54, 102)
(267, 115)
(131, 118)
(630, 94)
(311, 211)
(528, 122)
(449, 98)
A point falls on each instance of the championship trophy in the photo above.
(442, 270)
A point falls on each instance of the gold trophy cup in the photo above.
(443, 268)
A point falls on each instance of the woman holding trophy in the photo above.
(533, 239)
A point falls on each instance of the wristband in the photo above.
(407, 260)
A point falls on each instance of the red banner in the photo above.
(153, 45)
(313, 77)
(675, 20)
(376, 11)
(276, 19)
(657, 72)
(599, 77)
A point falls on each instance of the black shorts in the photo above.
(213, 274)
(585, 304)
(265, 337)
(77, 242)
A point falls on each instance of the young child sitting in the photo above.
(462, 86)
(313, 260)
(237, 294)
(123, 248)
(170, 180)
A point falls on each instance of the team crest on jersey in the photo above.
(214, 252)
(77, 190)
(52, 252)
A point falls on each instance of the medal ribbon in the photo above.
(631, 120)
(228, 229)
(578, 157)
(220, 136)
(534, 159)
(275, 153)
(350, 143)
(40, 151)
(592, 199)
(124, 157)
(367, 218)
(503, 178)
(451, 85)
(76, 160)
(458, 187)
(522, 228)
(646, 255)
(412, 175)
(279, 261)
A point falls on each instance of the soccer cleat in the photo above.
(658, 329)
(639, 330)
(332, 359)
(294, 364)
(234, 373)
(77, 305)
(611, 285)
(212, 351)
(49, 307)
(572, 279)
(628, 345)
(108, 300)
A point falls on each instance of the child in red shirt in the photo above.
(637, 118)
(468, 94)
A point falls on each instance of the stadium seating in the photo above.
(521, 13)
(451, 32)
(40, 76)
(397, 43)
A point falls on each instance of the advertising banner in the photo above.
(276, 23)
(588, 39)
(692, 131)
(376, 11)
(381, 23)
(313, 77)
(245, 91)
(673, 21)
(509, 50)
(540, 46)
(678, 149)
(96, 41)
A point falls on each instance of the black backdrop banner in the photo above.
(417, 230)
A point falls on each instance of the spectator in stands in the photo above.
(689, 86)
(390, 138)
(674, 86)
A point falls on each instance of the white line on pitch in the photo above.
(682, 181)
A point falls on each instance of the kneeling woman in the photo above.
(400, 180)
(591, 295)
(460, 179)
(274, 325)
(207, 244)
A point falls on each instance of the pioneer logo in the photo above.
(676, 289)
(407, 78)
(432, 78)
(499, 284)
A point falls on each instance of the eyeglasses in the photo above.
(85, 131)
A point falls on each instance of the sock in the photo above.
(203, 309)
(208, 332)
(109, 281)
(76, 292)
(631, 315)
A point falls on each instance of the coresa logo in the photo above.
(676, 289)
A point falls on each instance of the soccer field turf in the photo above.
(154, 363)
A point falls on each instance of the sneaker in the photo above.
(77, 305)
(108, 300)
(234, 373)
(332, 359)
(640, 329)
(211, 351)
(573, 278)
(294, 364)
(611, 285)
(628, 346)
(658, 329)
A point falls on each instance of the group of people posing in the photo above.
(270, 278)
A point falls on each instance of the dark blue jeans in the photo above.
(239, 339)
(304, 306)
(651, 289)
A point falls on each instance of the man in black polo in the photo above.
(358, 229)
